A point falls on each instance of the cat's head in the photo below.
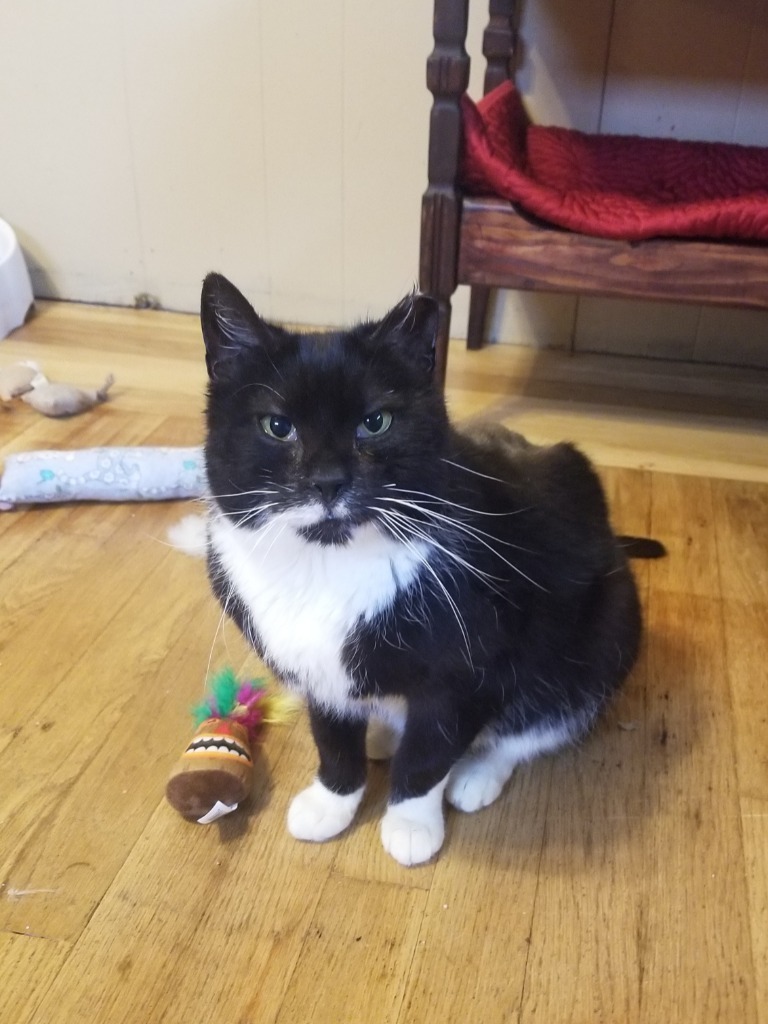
(318, 428)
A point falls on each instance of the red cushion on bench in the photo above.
(613, 186)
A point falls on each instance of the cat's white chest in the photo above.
(305, 599)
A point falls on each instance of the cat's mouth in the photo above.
(328, 532)
(318, 525)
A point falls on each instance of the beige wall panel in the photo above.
(66, 174)
(676, 67)
(752, 116)
(196, 121)
(302, 56)
(385, 119)
(533, 319)
(659, 330)
(738, 337)
(564, 48)
(690, 69)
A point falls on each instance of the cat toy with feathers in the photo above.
(214, 775)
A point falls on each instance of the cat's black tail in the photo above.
(641, 547)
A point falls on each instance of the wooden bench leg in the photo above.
(479, 300)
(441, 341)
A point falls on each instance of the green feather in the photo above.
(222, 698)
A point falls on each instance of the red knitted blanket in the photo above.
(614, 186)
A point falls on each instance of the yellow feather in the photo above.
(280, 707)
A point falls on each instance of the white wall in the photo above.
(145, 142)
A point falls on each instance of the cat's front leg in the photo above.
(327, 807)
(413, 828)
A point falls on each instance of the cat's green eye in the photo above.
(278, 427)
(375, 423)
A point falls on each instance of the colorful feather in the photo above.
(250, 703)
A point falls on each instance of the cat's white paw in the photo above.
(381, 740)
(411, 840)
(317, 813)
(479, 777)
(413, 830)
(474, 783)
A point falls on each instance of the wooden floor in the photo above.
(623, 881)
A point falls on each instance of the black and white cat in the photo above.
(465, 590)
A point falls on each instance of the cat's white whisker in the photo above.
(414, 531)
(266, 387)
(476, 535)
(249, 516)
(278, 535)
(475, 472)
(244, 494)
(403, 538)
(454, 522)
(436, 499)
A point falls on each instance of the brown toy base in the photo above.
(211, 786)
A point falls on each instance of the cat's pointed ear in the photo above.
(230, 325)
(412, 326)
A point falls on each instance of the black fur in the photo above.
(535, 619)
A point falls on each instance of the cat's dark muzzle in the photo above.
(328, 532)
(337, 526)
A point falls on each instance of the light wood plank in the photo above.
(361, 855)
(29, 965)
(742, 540)
(639, 825)
(741, 536)
(473, 949)
(224, 911)
(696, 919)
(747, 656)
(755, 833)
(381, 919)
(591, 881)
(94, 723)
(746, 644)
(683, 519)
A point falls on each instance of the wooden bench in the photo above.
(488, 243)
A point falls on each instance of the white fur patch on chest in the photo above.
(305, 599)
